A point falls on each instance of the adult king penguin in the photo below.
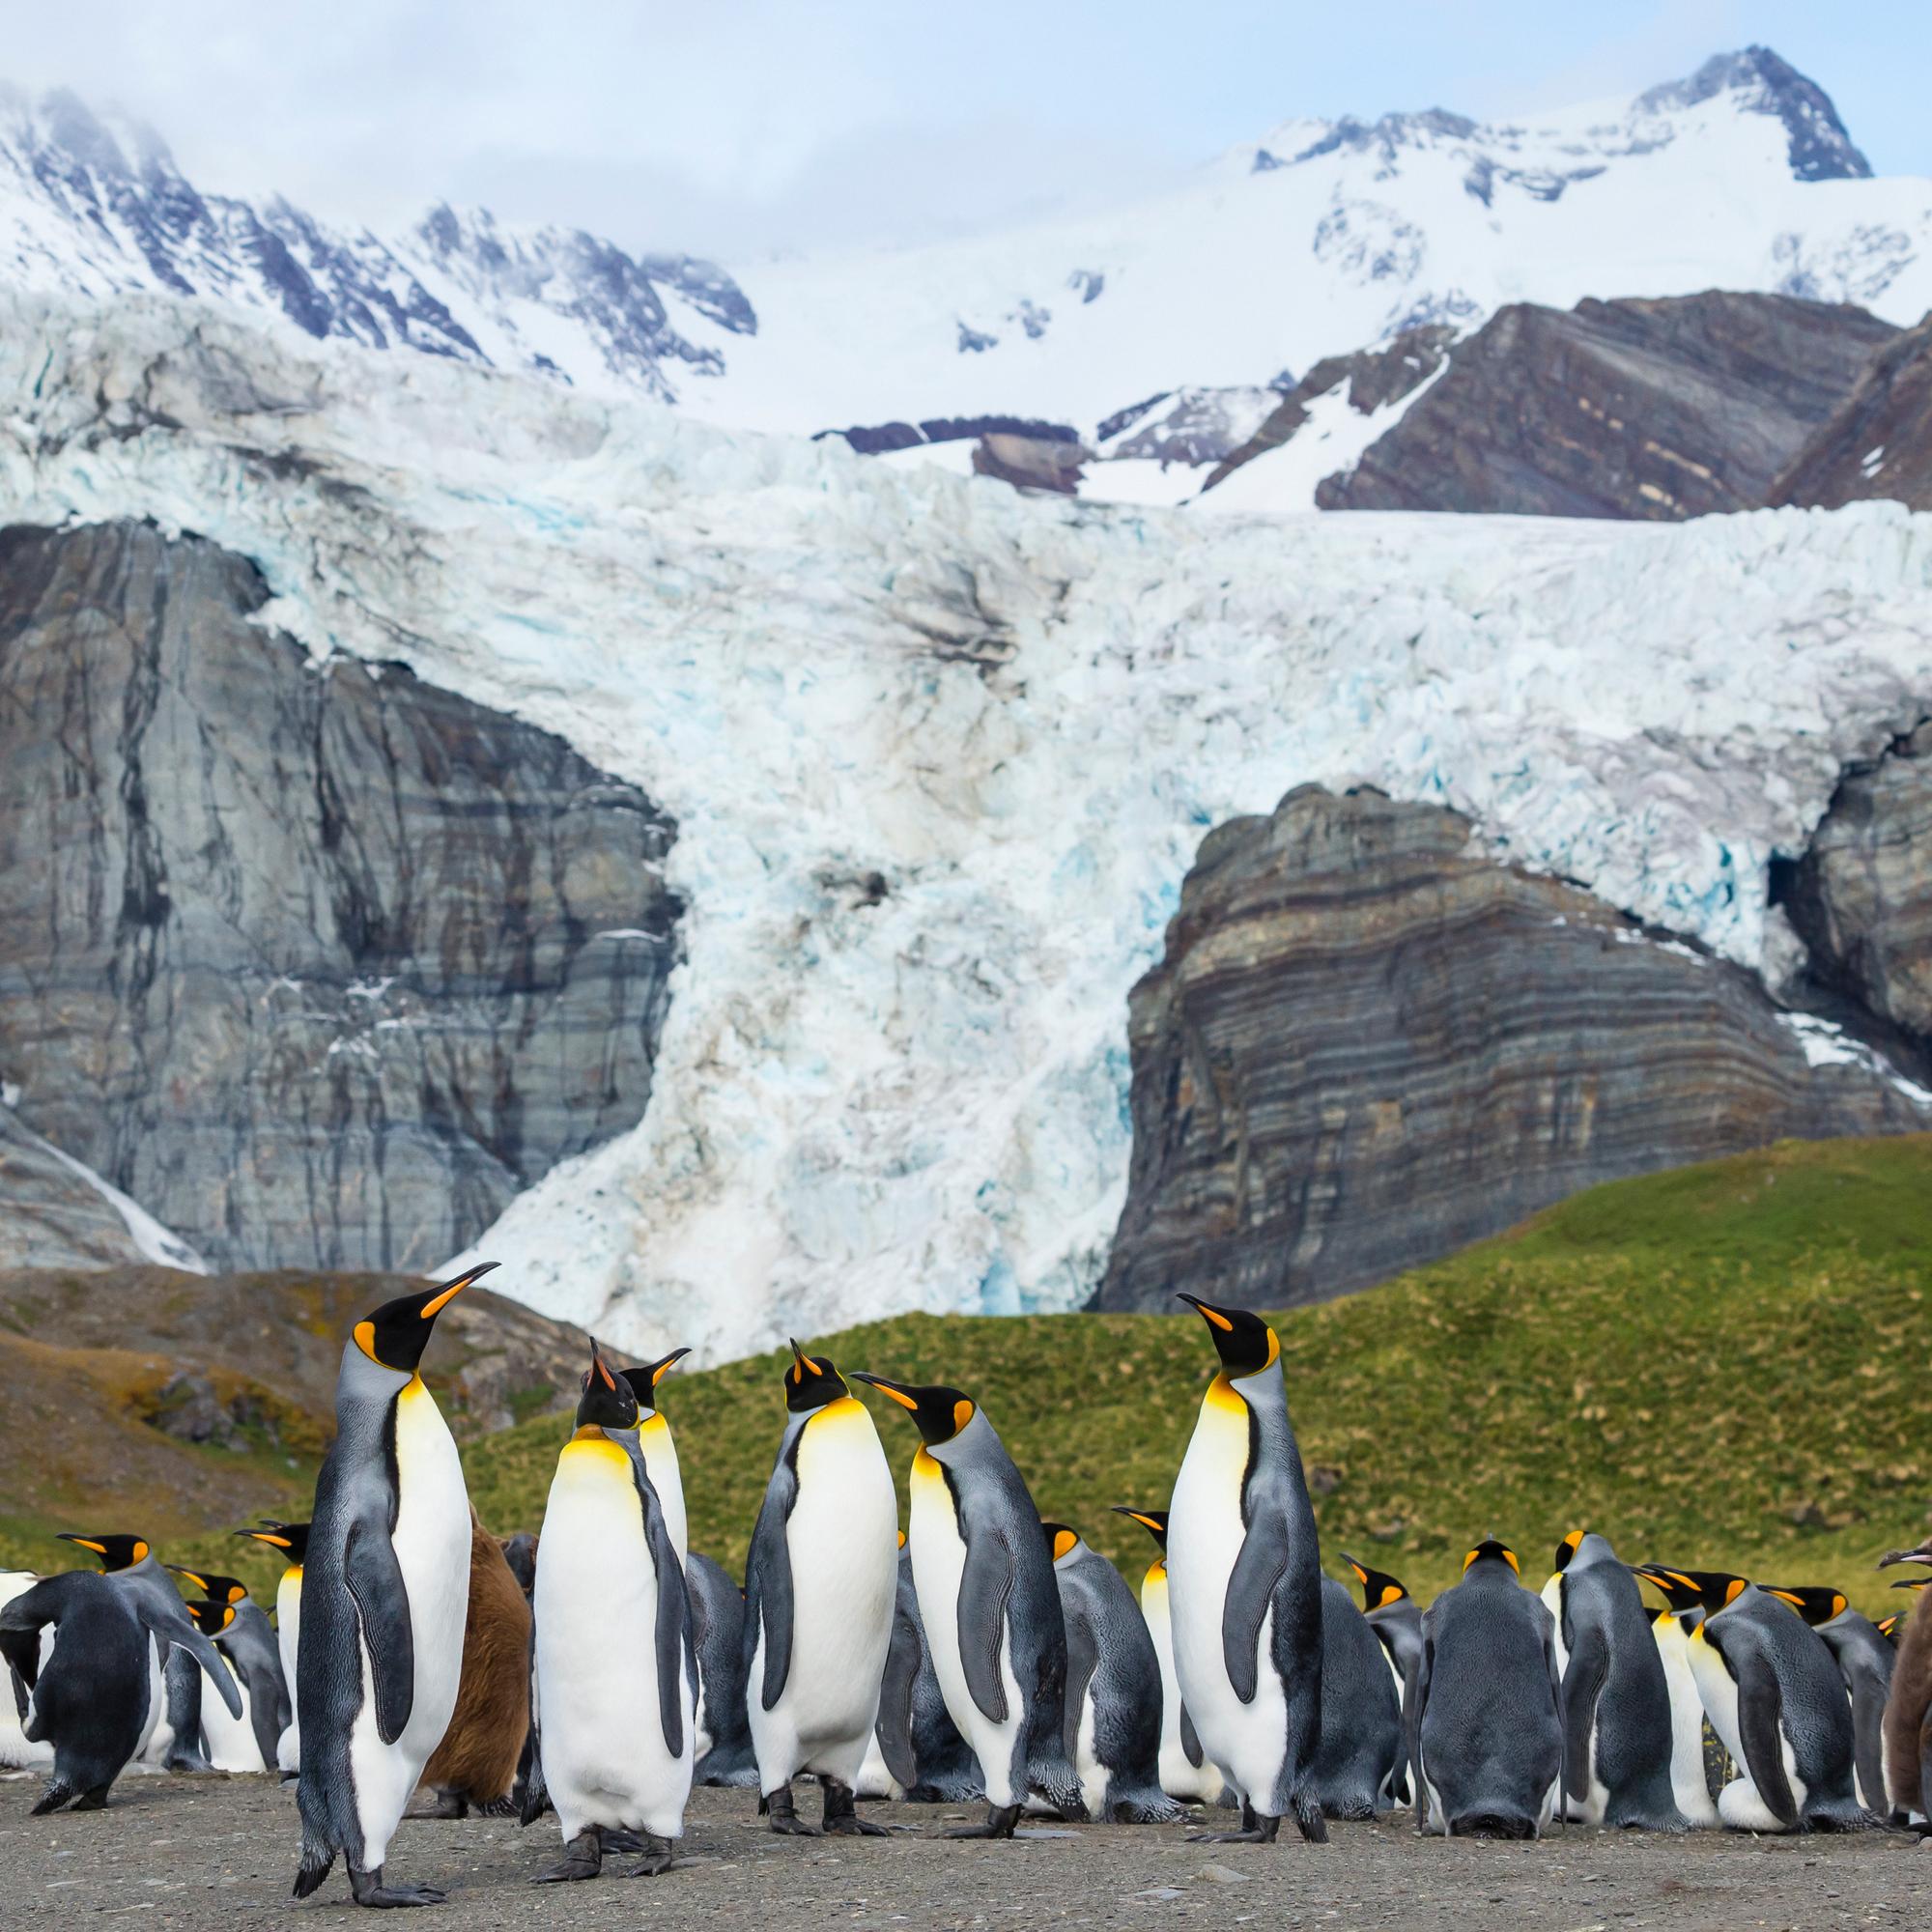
(1186, 1772)
(616, 1671)
(655, 1443)
(723, 1748)
(229, 1744)
(249, 1643)
(1616, 1700)
(989, 1603)
(1244, 1585)
(1866, 1662)
(385, 1588)
(1395, 1618)
(918, 1754)
(292, 1540)
(1670, 1629)
(819, 1583)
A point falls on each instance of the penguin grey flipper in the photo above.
(895, 1727)
(676, 1658)
(1251, 1587)
(1083, 1659)
(1760, 1708)
(177, 1628)
(1414, 1702)
(1190, 1740)
(985, 1586)
(768, 1585)
(374, 1580)
(1869, 1742)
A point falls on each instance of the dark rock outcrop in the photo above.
(1817, 144)
(1642, 408)
(1369, 1045)
(1030, 462)
(320, 964)
(1879, 443)
(1860, 896)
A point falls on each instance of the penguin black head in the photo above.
(395, 1335)
(1491, 1551)
(116, 1553)
(1059, 1540)
(608, 1402)
(1378, 1587)
(940, 1412)
(1816, 1603)
(1568, 1547)
(211, 1618)
(1153, 1521)
(289, 1538)
(1244, 1342)
(1707, 1590)
(217, 1589)
(1912, 1584)
(812, 1381)
(1888, 1627)
(645, 1376)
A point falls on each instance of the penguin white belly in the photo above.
(1086, 1765)
(157, 1733)
(842, 1543)
(229, 1741)
(288, 1633)
(1739, 1805)
(1689, 1785)
(660, 1454)
(1178, 1779)
(430, 1540)
(1205, 1534)
(15, 1753)
(596, 1601)
(938, 1563)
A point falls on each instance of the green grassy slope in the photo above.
(1721, 1366)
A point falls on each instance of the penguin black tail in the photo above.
(1491, 1825)
(316, 1859)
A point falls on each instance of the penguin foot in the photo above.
(582, 1857)
(1256, 1829)
(656, 1862)
(92, 1801)
(367, 1889)
(842, 1815)
(1000, 1822)
(784, 1816)
(619, 1838)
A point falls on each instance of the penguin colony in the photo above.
(598, 1669)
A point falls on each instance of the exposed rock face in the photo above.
(1031, 462)
(1861, 897)
(1369, 1045)
(1879, 443)
(1655, 410)
(1819, 147)
(318, 965)
(1192, 426)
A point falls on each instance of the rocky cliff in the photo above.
(1369, 1043)
(319, 963)
(1644, 409)
(1879, 442)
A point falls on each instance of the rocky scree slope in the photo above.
(1879, 442)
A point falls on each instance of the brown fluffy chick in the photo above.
(1908, 1709)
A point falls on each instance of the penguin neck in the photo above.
(1157, 1573)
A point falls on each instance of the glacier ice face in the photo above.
(941, 754)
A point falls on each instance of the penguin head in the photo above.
(1706, 1590)
(217, 1589)
(395, 1335)
(1492, 1550)
(1244, 1342)
(1568, 1547)
(607, 1402)
(211, 1619)
(289, 1538)
(1912, 1584)
(1379, 1588)
(1153, 1521)
(812, 1381)
(1888, 1627)
(1816, 1603)
(1918, 1554)
(645, 1376)
(1059, 1540)
(116, 1553)
(939, 1412)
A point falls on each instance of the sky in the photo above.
(741, 129)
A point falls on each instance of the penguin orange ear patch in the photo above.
(962, 1414)
(1734, 1589)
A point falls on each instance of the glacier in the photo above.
(941, 753)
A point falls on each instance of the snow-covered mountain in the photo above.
(1319, 239)
(939, 755)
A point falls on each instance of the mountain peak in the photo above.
(1819, 147)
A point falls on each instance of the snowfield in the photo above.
(941, 754)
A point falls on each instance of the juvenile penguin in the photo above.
(1866, 1662)
(15, 1753)
(1244, 1585)
(1616, 1700)
(384, 1592)
(248, 1641)
(922, 1757)
(617, 1670)
(1186, 1772)
(723, 1748)
(292, 1540)
(90, 1699)
(1774, 1695)
(229, 1744)
(989, 1603)
(1670, 1629)
(1396, 1619)
(1113, 1688)
(475, 1764)
(1486, 1729)
(819, 1583)
(1907, 1707)
(654, 1440)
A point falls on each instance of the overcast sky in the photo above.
(739, 126)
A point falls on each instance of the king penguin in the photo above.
(15, 1753)
(917, 1754)
(1866, 1662)
(292, 1540)
(617, 1680)
(1616, 1701)
(385, 1588)
(1671, 1629)
(229, 1744)
(989, 1603)
(654, 1441)
(1186, 1772)
(819, 1584)
(1486, 1730)
(1244, 1585)
(1395, 1618)
(723, 1748)
(249, 1642)
(1113, 1688)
